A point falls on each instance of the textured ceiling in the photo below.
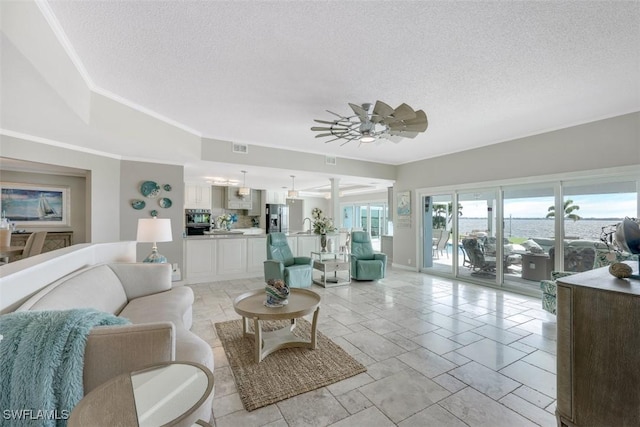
(260, 72)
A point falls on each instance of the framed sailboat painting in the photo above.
(29, 205)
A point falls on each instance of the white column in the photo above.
(334, 204)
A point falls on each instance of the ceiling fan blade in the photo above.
(382, 109)
(336, 114)
(360, 112)
(404, 112)
(326, 122)
(395, 139)
(403, 134)
(320, 128)
(320, 135)
(420, 119)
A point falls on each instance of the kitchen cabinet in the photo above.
(256, 203)
(234, 201)
(277, 197)
(597, 350)
(293, 244)
(256, 254)
(232, 256)
(307, 244)
(226, 257)
(197, 196)
(201, 260)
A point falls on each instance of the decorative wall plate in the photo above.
(165, 202)
(138, 204)
(154, 213)
(150, 189)
(167, 187)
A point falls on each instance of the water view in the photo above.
(588, 229)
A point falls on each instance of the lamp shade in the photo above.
(154, 230)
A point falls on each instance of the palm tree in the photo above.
(569, 207)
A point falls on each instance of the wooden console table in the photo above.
(55, 240)
(598, 357)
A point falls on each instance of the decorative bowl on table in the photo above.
(277, 293)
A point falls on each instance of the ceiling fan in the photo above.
(368, 125)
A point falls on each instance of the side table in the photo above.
(167, 394)
(330, 264)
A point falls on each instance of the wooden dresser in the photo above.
(598, 358)
(55, 240)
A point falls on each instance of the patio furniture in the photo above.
(441, 244)
(577, 260)
(296, 272)
(479, 262)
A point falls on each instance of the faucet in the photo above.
(305, 220)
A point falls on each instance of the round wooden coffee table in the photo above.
(251, 306)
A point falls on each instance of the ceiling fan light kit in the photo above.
(367, 125)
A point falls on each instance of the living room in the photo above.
(52, 116)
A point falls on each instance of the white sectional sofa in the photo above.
(160, 317)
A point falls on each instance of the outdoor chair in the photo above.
(441, 244)
(365, 263)
(479, 262)
(296, 272)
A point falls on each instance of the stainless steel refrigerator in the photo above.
(277, 218)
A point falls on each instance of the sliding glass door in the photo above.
(515, 235)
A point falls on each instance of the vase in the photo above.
(323, 242)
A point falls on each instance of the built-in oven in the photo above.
(197, 221)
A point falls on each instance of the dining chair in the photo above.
(34, 244)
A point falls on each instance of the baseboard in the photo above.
(403, 267)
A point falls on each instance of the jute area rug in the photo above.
(287, 372)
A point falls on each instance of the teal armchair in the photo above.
(296, 272)
(365, 263)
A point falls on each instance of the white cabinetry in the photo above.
(232, 256)
(197, 196)
(256, 203)
(256, 254)
(277, 197)
(293, 244)
(234, 201)
(308, 244)
(200, 260)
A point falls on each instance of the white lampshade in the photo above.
(292, 194)
(244, 191)
(154, 230)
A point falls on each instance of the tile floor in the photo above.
(438, 353)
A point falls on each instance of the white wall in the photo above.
(608, 143)
(133, 174)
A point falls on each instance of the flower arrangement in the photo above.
(225, 221)
(321, 224)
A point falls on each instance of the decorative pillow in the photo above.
(532, 246)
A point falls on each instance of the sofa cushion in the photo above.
(95, 287)
(173, 306)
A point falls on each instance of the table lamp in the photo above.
(153, 230)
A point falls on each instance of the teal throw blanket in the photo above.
(41, 363)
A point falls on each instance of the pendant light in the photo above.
(244, 191)
(293, 194)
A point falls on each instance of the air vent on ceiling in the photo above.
(240, 148)
(330, 160)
